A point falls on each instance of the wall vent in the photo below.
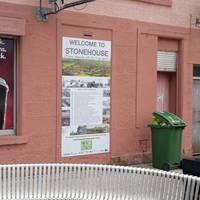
(166, 61)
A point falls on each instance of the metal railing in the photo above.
(93, 182)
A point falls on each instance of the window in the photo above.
(7, 85)
(196, 70)
(159, 2)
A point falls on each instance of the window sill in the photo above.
(158, 2)
(13, 140)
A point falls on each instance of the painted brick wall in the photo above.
(179, 14)
(133, 83)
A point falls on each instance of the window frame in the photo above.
(13, 131)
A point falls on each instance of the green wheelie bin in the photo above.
(166, 129)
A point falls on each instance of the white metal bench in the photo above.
(93, 182)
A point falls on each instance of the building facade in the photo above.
(82, 86)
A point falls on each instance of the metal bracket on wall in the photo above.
(41, 14)
(56, 6)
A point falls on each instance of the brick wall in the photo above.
(180, 12)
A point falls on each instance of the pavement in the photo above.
(149, 166)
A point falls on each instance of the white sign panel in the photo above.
(76, 48)
(85, 96)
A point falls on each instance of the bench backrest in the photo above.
(93, 182)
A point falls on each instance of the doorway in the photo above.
(166, 78)
(166, 91)
(196, 110)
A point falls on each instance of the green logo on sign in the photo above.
(86, 145)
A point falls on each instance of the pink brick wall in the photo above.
(179, 14)
(158, 2)
(134, 47)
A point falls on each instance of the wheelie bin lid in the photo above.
(170, 119)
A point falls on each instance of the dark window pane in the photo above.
(196, 70)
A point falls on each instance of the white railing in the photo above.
(93, 182)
